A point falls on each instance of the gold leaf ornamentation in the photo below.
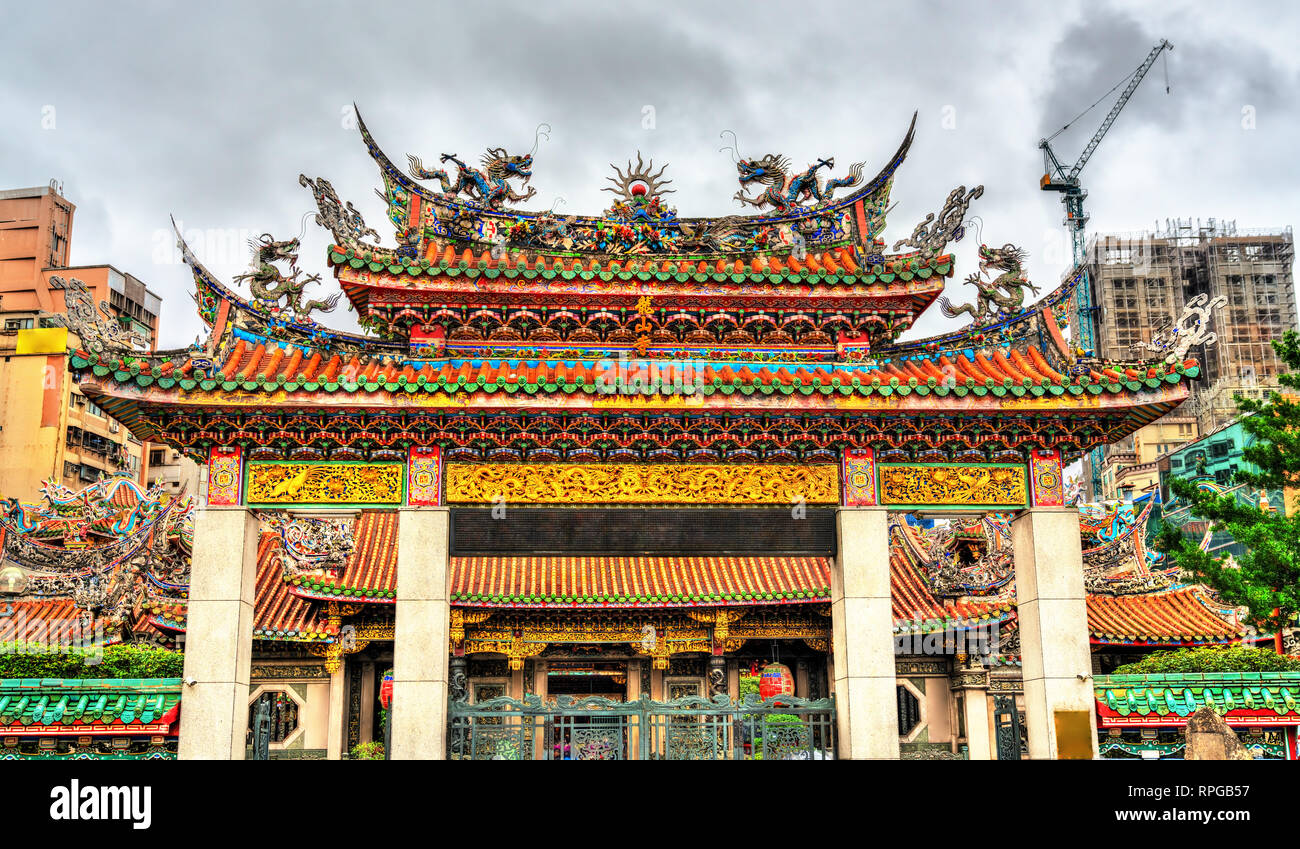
(974, 485)
(325, 483)
(581, 483)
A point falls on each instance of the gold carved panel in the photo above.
(953, 485)
(325, 483)
(582, 483)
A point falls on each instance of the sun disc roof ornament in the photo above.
(639, 182)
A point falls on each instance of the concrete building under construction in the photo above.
(1142, 281)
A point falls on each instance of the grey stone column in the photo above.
(863, 638)
(219, 635)
(336, 742)
(420, 644)
(458, 687)
(717, 679)
(971, 683)
(1053, 614)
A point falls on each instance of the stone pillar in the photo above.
(971, 683)
(863, 639)
(369, 699)
(717, 678)
(458, 680)
(1053, 614)
(338, 731)
(540, 669)
(420, 647)
(219, 635)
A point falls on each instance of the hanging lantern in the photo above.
(776, 681)
(386, 691)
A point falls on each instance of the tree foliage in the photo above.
(1233, 658)
(1267, 576)
(24, 660)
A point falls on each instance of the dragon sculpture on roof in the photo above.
(490, 186)
(786, 191)
(1001, 297)
(270, 286)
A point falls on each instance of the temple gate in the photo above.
(628, 437)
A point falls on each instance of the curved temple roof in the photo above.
(782, 348)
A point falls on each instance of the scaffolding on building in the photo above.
(1144, 280)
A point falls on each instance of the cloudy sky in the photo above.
(144, 111)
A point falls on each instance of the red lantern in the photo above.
(386, 692)
(776, 681)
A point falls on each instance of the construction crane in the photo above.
(1065, 179)
(1059, 178)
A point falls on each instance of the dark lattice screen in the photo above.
(909, 711)
(642, 531)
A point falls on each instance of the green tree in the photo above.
(1267, 577)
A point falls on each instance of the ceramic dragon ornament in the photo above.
(784, 190)
(490, 186)
(1176, 338)
(999, 298)
(271, 287)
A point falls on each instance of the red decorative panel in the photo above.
(225, 476)
(424, 477)
(859, 470)
(1047, 481)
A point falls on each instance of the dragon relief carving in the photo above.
(1176, 338)
(786, 191)
(271, 287)
(999, 298)
(99, 331)
(345, 223)
(933, 234)
(489, 186)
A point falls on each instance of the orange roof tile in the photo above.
(1176, 616)
(593, 581)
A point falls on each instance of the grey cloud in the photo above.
(211, 113)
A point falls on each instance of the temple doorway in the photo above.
(582, 679)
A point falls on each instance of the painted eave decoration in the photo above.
(93, 706)
(1241, 698)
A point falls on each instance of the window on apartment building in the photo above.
(74, 400)
(70, 470)
(18, 324)
(157, 458)
(93, 408)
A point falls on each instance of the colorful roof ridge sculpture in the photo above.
(495, 332)
(90, 566)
